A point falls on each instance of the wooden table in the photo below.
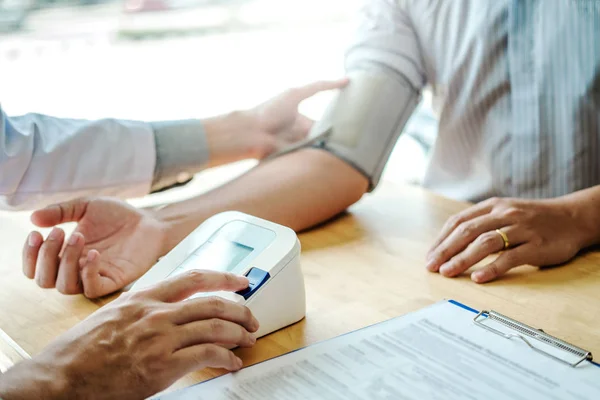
(362, 268)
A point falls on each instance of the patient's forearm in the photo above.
(298, 190)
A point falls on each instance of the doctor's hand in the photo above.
(278, 121)
(140, 343)
(112, 245)
(534, 232)
(264, 129)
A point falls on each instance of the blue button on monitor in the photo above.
(257, 278)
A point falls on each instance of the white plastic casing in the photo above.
(280, 301)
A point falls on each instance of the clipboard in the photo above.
(439, 351)
(529, 335)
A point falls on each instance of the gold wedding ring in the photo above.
(504, 238)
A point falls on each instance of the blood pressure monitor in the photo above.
(266, 253)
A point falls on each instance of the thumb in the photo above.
(69, 211)
(302, 127)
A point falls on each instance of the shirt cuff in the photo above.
(181, 151)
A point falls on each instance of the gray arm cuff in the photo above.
(181, 151)
(361, 126)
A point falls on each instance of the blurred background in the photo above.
(170, 59)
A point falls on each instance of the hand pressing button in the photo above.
(257, 277)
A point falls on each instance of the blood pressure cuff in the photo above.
(365, 119)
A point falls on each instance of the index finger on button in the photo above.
(187, 284)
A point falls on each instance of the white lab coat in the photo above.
(45, 160)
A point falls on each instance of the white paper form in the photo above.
(435, 353)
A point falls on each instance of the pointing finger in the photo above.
(185, 285)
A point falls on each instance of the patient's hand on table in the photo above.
(538, 232)
(123, 240)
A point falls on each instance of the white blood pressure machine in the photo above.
(266, 253)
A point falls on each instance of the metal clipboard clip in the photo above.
(527, 333)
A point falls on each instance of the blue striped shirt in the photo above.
(516, 87)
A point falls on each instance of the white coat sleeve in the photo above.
(45, 160)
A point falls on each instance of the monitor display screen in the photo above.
(221, 255)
